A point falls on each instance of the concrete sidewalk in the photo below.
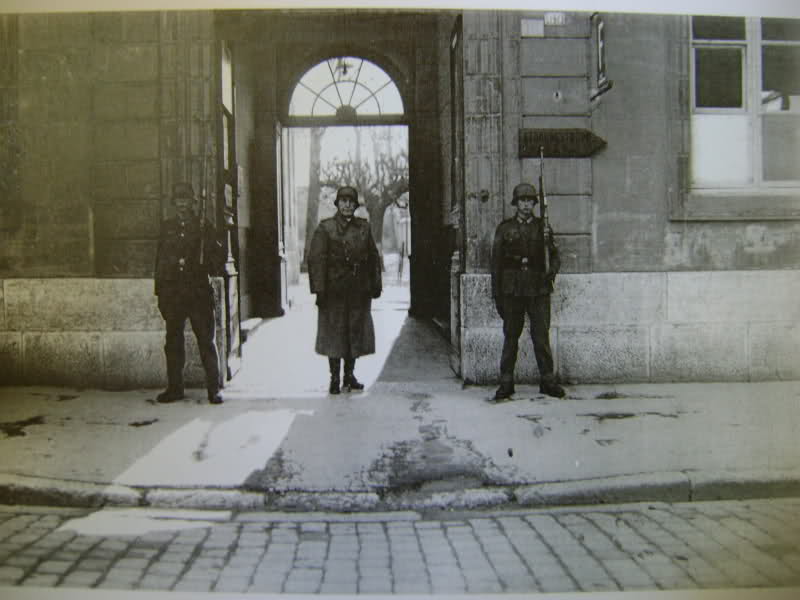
(400, 445)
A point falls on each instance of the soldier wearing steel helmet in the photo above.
(520, 285)
(344, 271)
(184, 264)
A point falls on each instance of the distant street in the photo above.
(731, 544)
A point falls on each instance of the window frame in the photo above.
(717, 110)
(752, 73)
(761, 113)
(773, 202)
(343, 116)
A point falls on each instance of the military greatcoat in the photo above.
(344, 271)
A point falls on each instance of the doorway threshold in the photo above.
(249, 327)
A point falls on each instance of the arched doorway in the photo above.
(344, 124)
(273, 52)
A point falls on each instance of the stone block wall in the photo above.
(99, 113)
(47, 218)
(86, 332)
(649, 327)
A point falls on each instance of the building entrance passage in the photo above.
(317, 161)
(279, 358)
(345, 124)
(325, 99)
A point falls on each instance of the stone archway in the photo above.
(274, 50)
(341, 98)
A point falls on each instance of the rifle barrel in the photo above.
(203, 196)
(543, 212)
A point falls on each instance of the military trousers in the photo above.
(197, 305)
(514, 310)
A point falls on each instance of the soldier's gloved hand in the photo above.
(321, 300)
(376, 293)
(498, 304)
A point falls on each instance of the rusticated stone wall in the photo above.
(106, 111)
(84, 332)
(638, 327)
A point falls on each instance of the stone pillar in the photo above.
(11, 204)
(485, 51)
(427, 262)
(483, 134)
(232, 348)
(189, 114)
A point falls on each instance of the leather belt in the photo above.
(518, 261)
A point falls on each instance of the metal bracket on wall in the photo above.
(602, 89)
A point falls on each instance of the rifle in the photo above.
(543, 212)
(203, 195)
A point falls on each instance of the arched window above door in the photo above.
(347, 89)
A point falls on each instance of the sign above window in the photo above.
(532, 27)
(555, 18)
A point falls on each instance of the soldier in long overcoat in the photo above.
(520, 285)
(345, 274)
(182, 284)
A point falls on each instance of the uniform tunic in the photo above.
(344, 269)
(184, 291)
(520, 285)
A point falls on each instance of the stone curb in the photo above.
(672, 486)
(466, 499)
(24, 489)
(730, 485)
(664, 487)
(205, 498)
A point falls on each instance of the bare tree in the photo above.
(379, 181)
(312, 205)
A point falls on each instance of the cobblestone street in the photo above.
(733, 544)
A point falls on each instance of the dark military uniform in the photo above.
(521, 285)
(345, 273)
(184, 291)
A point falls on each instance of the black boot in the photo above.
(549, 387)
(505, 391)
(351, 384)
(171, 394)
(334, 364)
(175, 359)
(214, 397)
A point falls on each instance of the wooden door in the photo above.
(281, 198)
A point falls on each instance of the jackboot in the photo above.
(505, 391)
(214, 396)
(334, 364)
(351, 384)
(175, 359)
(171, 394)
(549, 387)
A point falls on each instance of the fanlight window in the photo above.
(345, 87)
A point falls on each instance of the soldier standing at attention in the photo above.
(521, 285)
(183, 267)
(344, 271)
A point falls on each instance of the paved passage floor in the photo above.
(650, 546)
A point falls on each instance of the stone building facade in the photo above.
(669, 274)
(665, 279)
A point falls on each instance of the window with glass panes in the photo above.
(745, 102)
